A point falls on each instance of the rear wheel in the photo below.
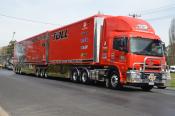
(20, 72)
(45, 74)
(37, 72)
(75, 76)
(84, 77)
(42, 73)
(146, 88)
(16, 70)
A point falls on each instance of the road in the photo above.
(22, 95)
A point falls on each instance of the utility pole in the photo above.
(13, 35)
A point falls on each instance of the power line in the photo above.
(159, 9)
(160, 18)
(27, 20)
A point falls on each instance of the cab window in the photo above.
(120, 44)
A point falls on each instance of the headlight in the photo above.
(134, 76)
(164, 76)
(140, 68)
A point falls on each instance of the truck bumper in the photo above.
(146, 78)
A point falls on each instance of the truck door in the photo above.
(119, 56)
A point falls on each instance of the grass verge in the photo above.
(172, 81)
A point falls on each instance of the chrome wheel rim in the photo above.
(45, 75)
(84, 77)
(37, 73)
(74, 76)
(114, 80)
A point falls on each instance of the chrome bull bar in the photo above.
(162, 66)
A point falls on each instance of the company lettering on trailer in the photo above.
(62, 34)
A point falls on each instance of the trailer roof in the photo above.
(124, 23)
(32, 37)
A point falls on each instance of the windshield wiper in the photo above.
(139, 53)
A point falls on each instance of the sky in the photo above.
(30, 17)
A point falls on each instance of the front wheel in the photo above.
(113, 82)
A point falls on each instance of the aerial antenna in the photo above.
(99, 12)
(135, 15)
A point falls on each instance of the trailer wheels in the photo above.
(42, 73)
(146, 88)
(16, 70)
(37, 72)
(45, 74)
(84, 77)
(75, 76)
(20, 72)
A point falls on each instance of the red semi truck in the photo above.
(116, 50)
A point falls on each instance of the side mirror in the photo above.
(164, 48)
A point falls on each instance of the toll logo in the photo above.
(84, 25)
(62, 34)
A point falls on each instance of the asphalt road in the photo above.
(22, 95)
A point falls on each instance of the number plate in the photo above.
(151, 83)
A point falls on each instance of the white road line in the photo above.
(3, 112)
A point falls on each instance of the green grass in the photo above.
(172, 81)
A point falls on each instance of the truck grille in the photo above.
(153, 67)
(146, 75)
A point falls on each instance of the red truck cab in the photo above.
(132, 46)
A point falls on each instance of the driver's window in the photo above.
(120, 44)
(117, 43)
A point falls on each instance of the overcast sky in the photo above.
(60, 12)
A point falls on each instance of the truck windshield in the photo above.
(145, 46)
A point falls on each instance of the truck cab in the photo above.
(135, 51)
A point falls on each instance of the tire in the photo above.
(20, 72)
(42, 73)
(84, 77)
(16, 70)
(161, 87)
(45, 74)
(37, 72)
(146, 88)
(75, 75)
(113, 82)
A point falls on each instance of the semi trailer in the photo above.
(116, 50)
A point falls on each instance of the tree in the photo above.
(10, 48)
(171, 48)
